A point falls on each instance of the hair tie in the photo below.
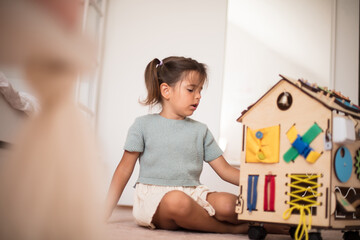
(159, 64)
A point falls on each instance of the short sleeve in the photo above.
(211, 149)
(135, 139)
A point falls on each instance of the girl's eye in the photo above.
(190, 90)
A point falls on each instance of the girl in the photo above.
(171, 149)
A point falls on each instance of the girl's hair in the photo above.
(170, 70)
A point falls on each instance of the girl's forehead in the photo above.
(192, 78)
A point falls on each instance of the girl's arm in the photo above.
(225, 170)
(121, 176)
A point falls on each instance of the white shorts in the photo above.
(148, 197)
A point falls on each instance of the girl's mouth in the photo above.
(195, 105)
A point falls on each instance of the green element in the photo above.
(261, 155)
(308, 137)
(344, 202)
(325, 90)
(357, 163)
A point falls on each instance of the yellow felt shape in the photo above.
(262, 145)
(312, 157)
(292, 134)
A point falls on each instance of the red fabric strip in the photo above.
(269, 198)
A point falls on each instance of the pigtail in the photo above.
(152, 83)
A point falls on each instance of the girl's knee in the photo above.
(224, 205)
(177, 203)
(228, 207)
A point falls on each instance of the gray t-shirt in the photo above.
(172, 151)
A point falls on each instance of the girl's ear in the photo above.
(165, 90)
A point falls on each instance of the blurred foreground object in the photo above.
(51, 184)
(18, 100)
(46, 29)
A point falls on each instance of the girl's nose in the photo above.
(198, 95)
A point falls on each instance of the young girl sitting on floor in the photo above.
(171, 148)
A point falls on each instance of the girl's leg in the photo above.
(178, 210)
(224, 205)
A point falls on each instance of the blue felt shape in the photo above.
(259, 135)
(343, 164)
(252, 192)
(302, 147)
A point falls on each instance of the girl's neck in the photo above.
(171, 115)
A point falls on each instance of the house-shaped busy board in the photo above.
(300, 159)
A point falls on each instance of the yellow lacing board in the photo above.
(302, 201)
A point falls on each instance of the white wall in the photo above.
(137, 32)
(314, 40)
(346, 69)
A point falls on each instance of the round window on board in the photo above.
(284, 101)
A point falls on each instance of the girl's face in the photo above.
(185, 96)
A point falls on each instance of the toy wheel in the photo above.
(257, 233)
(292, 231)
(315, 236)
(312, 235)
(351, 235)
